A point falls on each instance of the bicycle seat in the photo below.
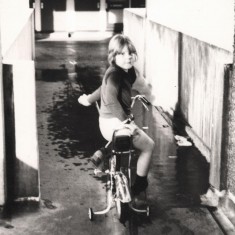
(122, 140)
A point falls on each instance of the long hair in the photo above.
(116, 45)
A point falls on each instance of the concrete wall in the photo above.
(162, 64)
(157, 48)
(210, 21)
(62, 16)
(85, 21)
(12, 4)
(188, 74)
(71, 22)
(21, 160)
(201, 97)
(26, 144)
(17, 34)
(136, 20)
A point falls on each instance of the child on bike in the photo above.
(115, 97)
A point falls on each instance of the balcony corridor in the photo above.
(68, 134)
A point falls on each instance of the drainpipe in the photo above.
(229, 127)
(229, 148)
(103, 15)
(228, 142)
(2, 139)
(37, 6)
(70, 13)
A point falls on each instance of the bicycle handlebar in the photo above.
(144, 102)
(129, 119)
(142, 99)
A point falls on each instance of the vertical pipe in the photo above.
(70, 5)
(103, 16)
(2, 139)
(230, 135)
(230, 129)
(70, 13)
(38, 20)
(9, 126)
(32, 35)
(224, 156)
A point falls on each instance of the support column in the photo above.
(2, 139)
(103, 15)
(70, 15)
(22, 162)
(38, 20)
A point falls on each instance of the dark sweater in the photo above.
(116, 92)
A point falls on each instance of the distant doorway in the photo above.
(54, 13)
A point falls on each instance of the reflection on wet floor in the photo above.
(69, 121)
(69, 134)
(181, 173)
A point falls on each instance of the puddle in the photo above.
(6, 225)
(72, 127)
(77, 164)
(48, 204)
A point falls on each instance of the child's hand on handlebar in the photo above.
(128, 123)
(83, 100)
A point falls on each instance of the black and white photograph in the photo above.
(117, 117)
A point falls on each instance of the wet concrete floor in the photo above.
(68, 134)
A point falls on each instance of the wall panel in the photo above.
(162, 64)
(188, 74)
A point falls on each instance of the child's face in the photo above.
(124, 59)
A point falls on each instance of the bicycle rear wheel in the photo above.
(122, 210)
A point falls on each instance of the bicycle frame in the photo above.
(118, 184)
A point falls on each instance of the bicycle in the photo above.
(120, 176)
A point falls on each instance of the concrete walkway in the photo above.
(68, 134)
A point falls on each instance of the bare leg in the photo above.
(145, 144)
(143, 163)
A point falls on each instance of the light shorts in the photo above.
(108, 126)
(140, 139)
